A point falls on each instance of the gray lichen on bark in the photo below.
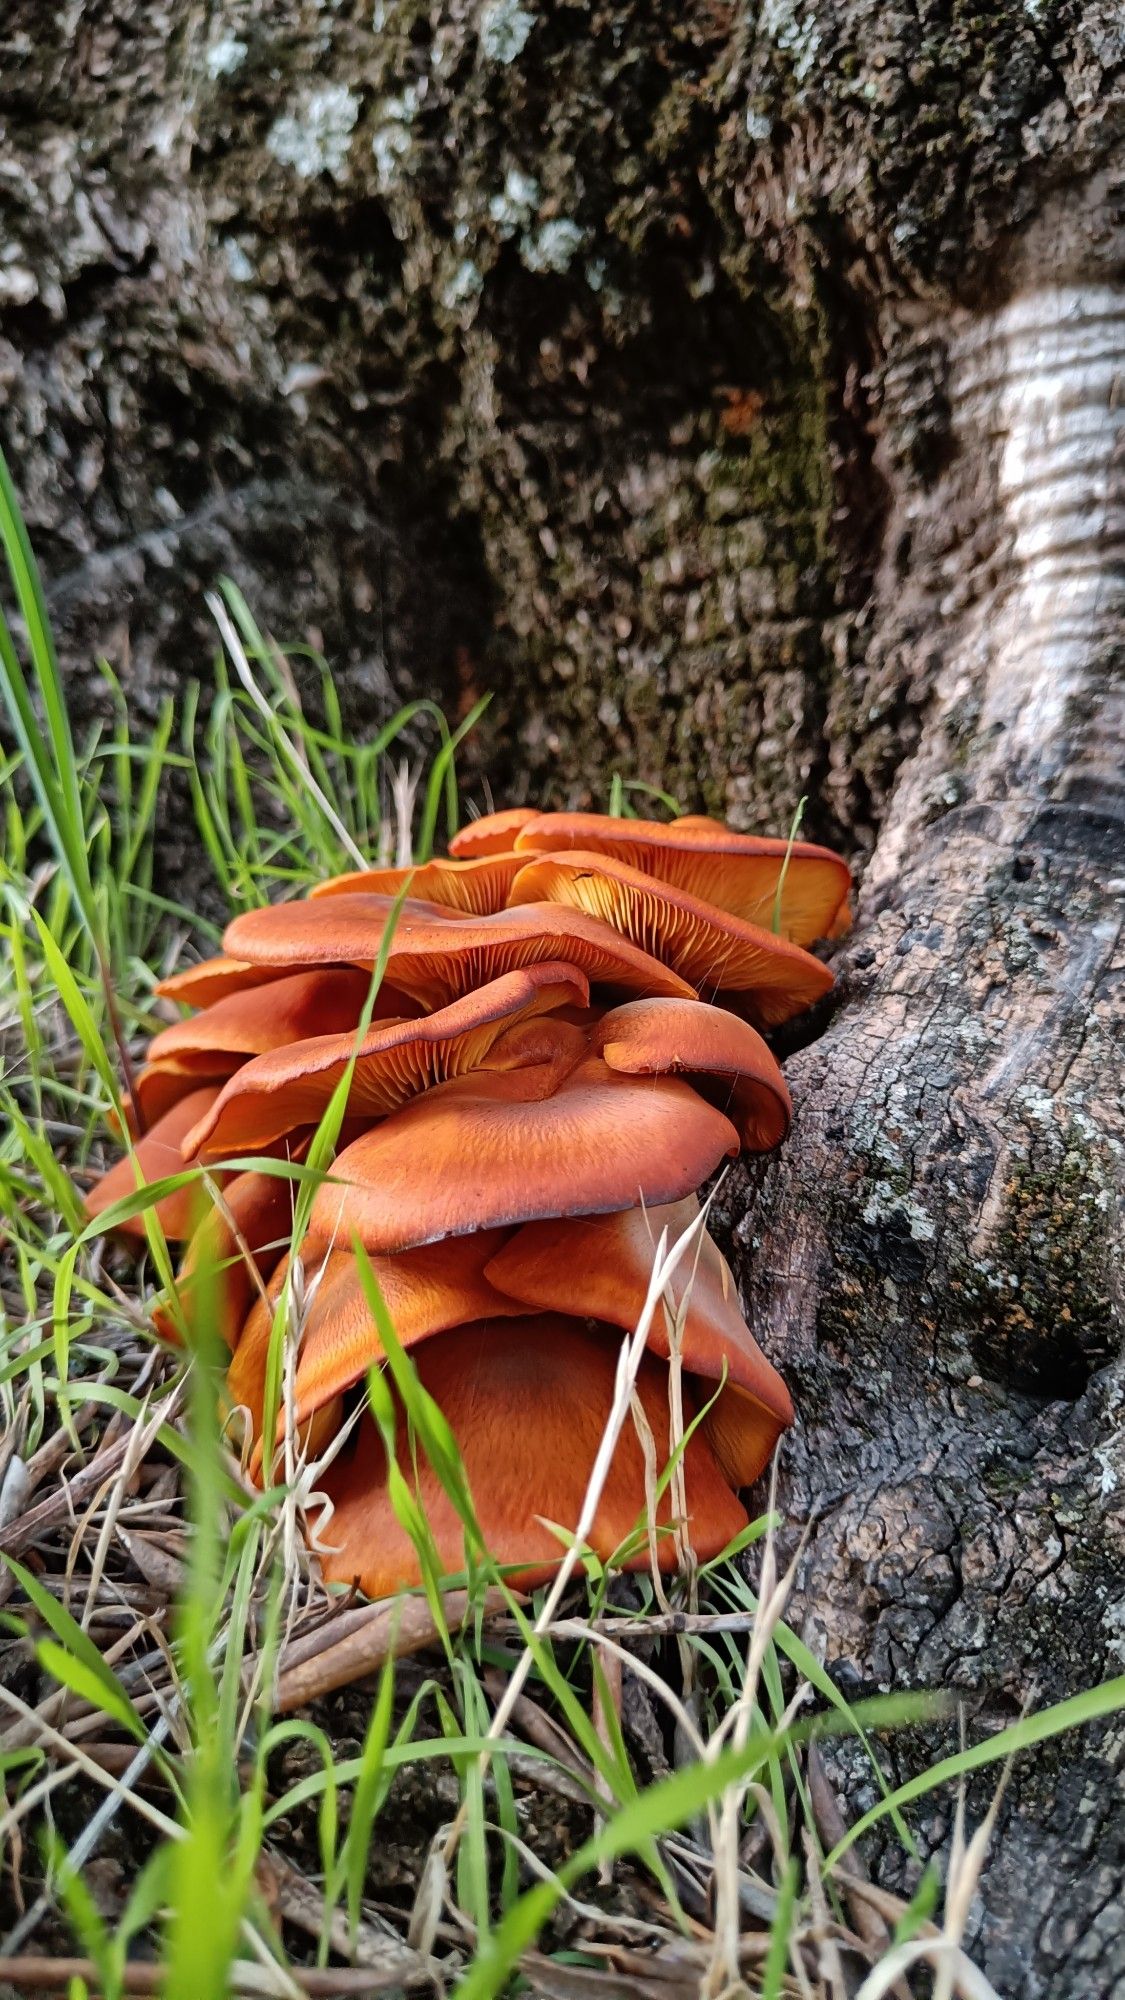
(735, 390)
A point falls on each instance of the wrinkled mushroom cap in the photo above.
(492, 1149)
(737, 872)
(602, 1265)
(436, 960)
(291, 1086)
(527, 1401)
(493, 833)
(760, 975)
(713, 1047)
(475, 888)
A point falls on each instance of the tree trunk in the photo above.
(738, 393)
(934, 1253)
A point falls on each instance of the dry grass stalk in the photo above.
(237, 651)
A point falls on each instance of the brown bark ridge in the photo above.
(735, 390)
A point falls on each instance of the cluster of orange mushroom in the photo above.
(564, 1045)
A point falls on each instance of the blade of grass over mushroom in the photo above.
(614, 1254)
(429, 1427)
(664, 1264)
(395, 1061)
(321, 1152)
(426, 1291)
(529, 1400)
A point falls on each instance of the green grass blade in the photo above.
(1079, 1709)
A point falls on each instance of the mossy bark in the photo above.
(702, 382)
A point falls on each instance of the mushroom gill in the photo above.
(743, 874)
(758, 974)
(438, 958)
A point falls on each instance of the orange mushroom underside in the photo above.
(528, 1401)
(788, 885)
(756, 972)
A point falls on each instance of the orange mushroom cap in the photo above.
(161, 1085)
(602, 1266)
(249, 1022)
(209, 1046)
(158, 1155)
(495, 1148)
(212, 979)
(477, 887)
(493, 833)
(255, 1216)
(659, 1037)
(437, 960)
(215, 979)
(737, 872)
(292, 1086)
(528, 1402)
(426, 1292)
(759, 974)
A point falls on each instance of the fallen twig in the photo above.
(63, 1504)
(319, 1662)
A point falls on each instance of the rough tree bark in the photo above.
(936, 1252)
(738, 391)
